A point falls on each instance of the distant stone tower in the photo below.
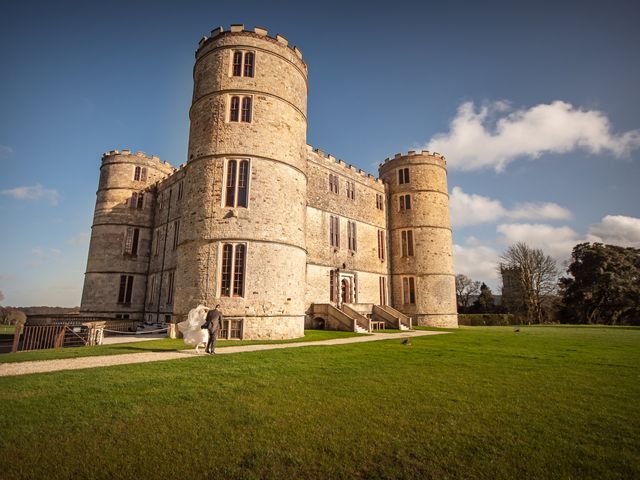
(116, 276)
(421, 261)
(242, 240)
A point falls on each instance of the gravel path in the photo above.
(24, 368)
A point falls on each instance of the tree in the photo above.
(485, 302)
(537, 275)
(465, 287)
(1, 296)
(604, 286)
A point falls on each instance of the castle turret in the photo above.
(116, 275)
(242, 240)
(421, 262)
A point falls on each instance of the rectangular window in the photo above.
(233, 269)
(170, 289)
(152, 288)
(161, 201)
(403, 176)
(332, 286)
(180, 190)
(405, 202)
(237, 64)
(351, 190)
(334, 183)
(379, 201)
(176, 233)
(237, 188)
(136, 174)
(143, 174)
(235, 329)
(334, 231)
(234, 113)
(137, 200)
(158, 231)
(381, 240)
(383, 291)
(248, 64)
(246, 110)
(351, 233)
(131, 241)
(126, 289)
(408, 291)
(407, 243)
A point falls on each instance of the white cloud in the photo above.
(470, 209)
(555, 241)
(616, 230)
(35, 192)
(41, 255)
(81, 238)
(494, 135)
(476, 261)
(5, 151)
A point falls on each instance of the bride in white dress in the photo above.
(191, 329)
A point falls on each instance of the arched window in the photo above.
(246, 109)
(237, 64)
(235, 109)
(248, 64)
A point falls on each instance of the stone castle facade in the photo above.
(280, 234)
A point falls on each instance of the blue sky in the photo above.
(535, 105)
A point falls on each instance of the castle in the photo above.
(280, 234)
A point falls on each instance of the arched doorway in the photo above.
(345, 290)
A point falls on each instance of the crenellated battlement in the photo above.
(438, 158)
(258, 32)
(154, 159)
(349, 169)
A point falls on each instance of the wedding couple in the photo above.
(201, 328)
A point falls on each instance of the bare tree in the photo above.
(465, 287)
(537, 274)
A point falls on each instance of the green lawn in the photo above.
(481, 403)
(165, 344)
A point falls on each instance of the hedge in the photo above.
(488, 319)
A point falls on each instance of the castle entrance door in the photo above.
(347, 288)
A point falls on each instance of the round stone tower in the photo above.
(242, 241)
(115, 279)
(421, 260)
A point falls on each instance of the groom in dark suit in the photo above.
(213, 323)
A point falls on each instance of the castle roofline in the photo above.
(439, 158)
(136, 155)
(341, 163)
(238, 28)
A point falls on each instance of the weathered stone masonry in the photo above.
(250, 106)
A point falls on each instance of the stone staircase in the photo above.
(359, 317)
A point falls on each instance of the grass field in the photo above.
(482, 402)
(162, 345)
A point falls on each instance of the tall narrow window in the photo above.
(407, 243)
(227, 260)
(176, 233)
(161, 201)
(157, 241)
(403, 176)
(246, 110)
(351, 190)
(237, 64)
(140, 200)
(136, 174)
(248, 64)
(408, 291)
(233, 270)
(332, 286)
(379, 201)
(237, 189)
(170, 289)
(383, 291)
(334, 231)
(180, 190)
(143, 174)
(405, 202)
(381, 244)
(131, 241)
(134, 200)
(126, 289)
(334, 184)
(234, 115)
(238, 271)
(351, 233)
(152, 288)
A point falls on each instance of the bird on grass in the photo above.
(516, 330)
(406, 342)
